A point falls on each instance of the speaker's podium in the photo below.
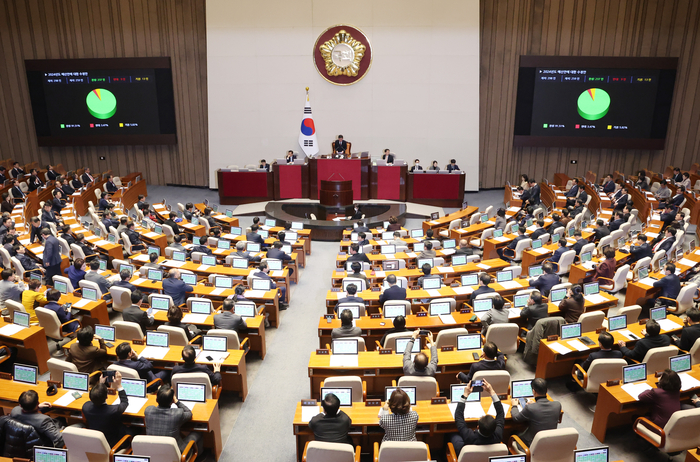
(336, 193)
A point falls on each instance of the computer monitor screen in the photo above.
(483, 305)
(35, 277)
(261, 284)
(343, 394)
(529, 222)
(353, 307)
(346, 283)
(223, 244)
(410, 391)
(388, 235)
(291, 236)
(189, 279)
(519, 301)
(209, 260)
(391, 311)
(557, 295)
(245, 310)
(590, 288)
(240, 263)
(134, 387)
(457, 391)
(438, 308)
(621, 242)
(425, 261)
(459, 260)
(390, 265)
(155, 274)
(193, 392)
(236, 230)
(401, 345)
(537, 243)
(179, 256)
(24, 373)
(449, 244)
(504, 276)
(555, 238)
(572, 230)
(662, 262)
(591, 455)
(484, 218)
(286, 248)
(634, 373)
(106, 332)
(389, 249)
(586, 257)
(680, 363)
(658, 313)
(297, 225)
(158, 229)
(129, 268)
(75, 381)
(153, 249)
(252, 247)
(418, 247)
(160, 303)
(157, 339)
(229, 213)
(617, 322)
(42, 454)
(270, 222)
(89, 294)
(214, 343)
(274, 265)
(223, 282)
(201, 306)
(345, 347)
(514, 229)
(432, 283)
(470, 279)
(60, 286)
(643, 272)
(263, 233)
(21, 318)
(521, 389)
(498, 233)
(416, 233)
(572, 330)
(469, 342)
(507, 459)
(195, 221)
(535, 271)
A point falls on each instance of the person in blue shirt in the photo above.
(176, 287)
(64, 315)
(76, 272)
(559, 252)
(546, 281)
(129, 358)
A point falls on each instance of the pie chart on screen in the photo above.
(593, 104)
(101, 103)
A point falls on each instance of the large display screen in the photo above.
(594, 101)
(118, 101)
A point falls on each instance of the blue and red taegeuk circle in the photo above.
(307, 127)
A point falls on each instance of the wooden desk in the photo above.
(615, 407)
(233, 370)
(637, 290)
(355, 170)
(444, 222)
(441, 189)
(96, 310)
(244, 187)
(579, 272)
(552, 364)
(205, 416)
(187, 227)
(388, 182)
(32, 345)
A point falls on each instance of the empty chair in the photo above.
(163, 449)
(121, 298)
(13, 306)
(58, 366)
(600, 371)
(516, 269)
(563, 285)
(426, 387)
(499, 380)
(632, 312)
(177, 335)
(657, 256)
(485, 234)
(587, 248)
(548, 445)
(359, 387)
(684, 301)
(454, 224)
(320, 451)
(48, 320)
(89, 445)
(679, 433)
(657, 358)
(449, 336)
(591, 321)
(401, 451)
(126, 330)
(503, 335)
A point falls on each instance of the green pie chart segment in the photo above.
(101, 103)
(593, 104)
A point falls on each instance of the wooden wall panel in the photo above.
(510, 28)
(53, 29)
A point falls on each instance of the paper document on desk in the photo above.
(577, 344)
(139, 281)
(81, 303)
(219, 251)
(75, 225)
(472, 410)
(154, 352)
(135, 404)
(501, 239)
(651, 235)
(192, 318)
(492, 410)
(151, 235)
(411, 255)
(647, 281)
(514, 209)
(541, 250)
(448, 251)
(483, 266)
(559, 348)
(655, 216)
(187, 225)
(338, 219)
(64, 400)
(434, 222)
(101, 242)
(688, 381)
(142, 257)
(379, 274)
(344, 360)
(514, 313)
(309, 412)
(667, 324)
(463, 290)
(635, 389)
(511, 284)
(531, 228)
(10, 329)
(697, 252)
(277, 273)
(175, 264)
(188, 404)
(223, 217)
(390, 256)
(588, 265)
(434, 293)
(217, 291)
(596, 298)
(24, 241)
(203, 267)
(254, 293)
(686, 262)
(445, 269)
(340, 295)
(447, 319)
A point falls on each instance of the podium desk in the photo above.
(439, 189)
(31, 343)
(291, 181)
(355, 170)
(388, 182)
(236, 187)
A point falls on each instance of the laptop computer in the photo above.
(21, 318)
(157, 339)
(537, 243)
(592, 455)
(274, 265)
(432, 283)
(424, 261)
(179, 256)
(43, 454)
(223, 244)
(239, 263)
(155, 274)
(586, 257)
(418, 247)
(498, 233)
(555, 238)
(89, 294)
(297, 225)
(60, 286)
(470, 279)
(410, 391)
(286, 248)
(153, 249)
(401, 345)
(291, 236)
(252, 247)
(158, 230)
(388, 235)
(270, 222)
(354, 309)
(557, 295)
(457, 391)
(680, 363)
(392, 311)
(438, 308)
(25, 373)
(129, 268)
(449, 244)
(192, 392)
(572, 330)
(434, 215)
(346, 283)
(521, 390)
(617, 322)
(469, 342)
(261, 284)
(344, 394)
(236, 230)
(160, 303)
(483, 305)
(214, 343)
(388, 249)
(106, 332)
(263, 233)
(344, 347)
(590, 288)
(134, 387)
(201, 306)
(75, 381)
(634, 373)
(416, 233)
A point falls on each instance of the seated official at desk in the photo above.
(30, 412)
(351, 297)
(556, 223)
(264, 165)
(175, 320)
(399, 323)
(263, 273)
(362, 239)
(691, 329)
(549, 279)
(652, 339)
(397, 418)
(188, 356)
(428, 251)
(670, 286)
(339, 147)
(332, 425)
(346, 328)
(496, 315)
(511, 246)
(253, 236)
(94, 276)
(152, 261)
(8, 289)
(175, 287)
(177, 245)
(606, 342)
(535, 309)
(393, 292)
(604, 270)
(416, 166)
(356, 212)
(388, 156)
(134, 313)
(573, 306)
(540, 413)
(489, 430)
(228, 319)
(87, 357)
(640, 249)
(490, 360)
(397, 240)
(164, 420)
(355, 254)
(434, 165)
(600, 230)
(426, 268)
(484, 281)
(665, 399)
(127, 357)
(63, 314)
(361, 227)
(580, 242)
(420, 365)
(107, 418)
(356, 268)
(290, 157)
(500, 219)
(276, 252)
(452, 166)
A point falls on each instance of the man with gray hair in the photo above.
(176, 287)
(241, 252)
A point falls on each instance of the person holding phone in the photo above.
(489, 430)
(103, 417)
(420, 365)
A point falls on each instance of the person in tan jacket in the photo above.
(87, 357)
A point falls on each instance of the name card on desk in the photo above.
(322, 351)
(386, 351)
(438, 400)
(448, 348)
(373, 402)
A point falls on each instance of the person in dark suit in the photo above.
(484, 281)
(546, 281)
(253, 236)
(134, 313)
(667, 216)
(362, 239)
(34, 182)
(123, 282)
(355, 254)
(534, 192)
(556, 223)
(580, 242)
(228, 319)
(600, 230)
(489, 430)
(491, 360)
(104, 202)
(426, 269)
(416, 166)
(53, 296)
(393, 292)
(540, 412)
(559, 252)
(176, 287)
(356, 212)
(677, 175)
(103, 417)
(361, 227)
(241, 252)
(264, 165)
(608, 184)
(164, 420)
(621, 200)
(52, 256)
(276, 252)
(579, 208)
(399, 323)
(7, 203)
(17, 172)
(3, 175)
(134, 238)
(87, 178)
(30, 412)
(110, 186)
(617, 222)
(17, 192)
(606, 342)
(188, 356)
(667, 242)
(290, 157)
(66, 187)
(126, 357)
(670, 286)
(339, 147)
(388, 156)
(51, 173)
(665, 399)
(452, 166)
(87, 357)
(58, 202)
(47, 215)
(572, 193)
(652, 339)
(263, 273)
(521, 235)
(351, 297)
(171, 222)
(535, 309)
(539, 231)
(75, 183)
(640, 249)
(332, 425)
(691, 330)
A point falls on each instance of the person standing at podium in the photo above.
(340, 146)
(388, 156)
(416, 166)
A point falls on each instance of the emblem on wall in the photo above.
(342, 55)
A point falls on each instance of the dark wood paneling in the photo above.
(510, 28)
(41, 29)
